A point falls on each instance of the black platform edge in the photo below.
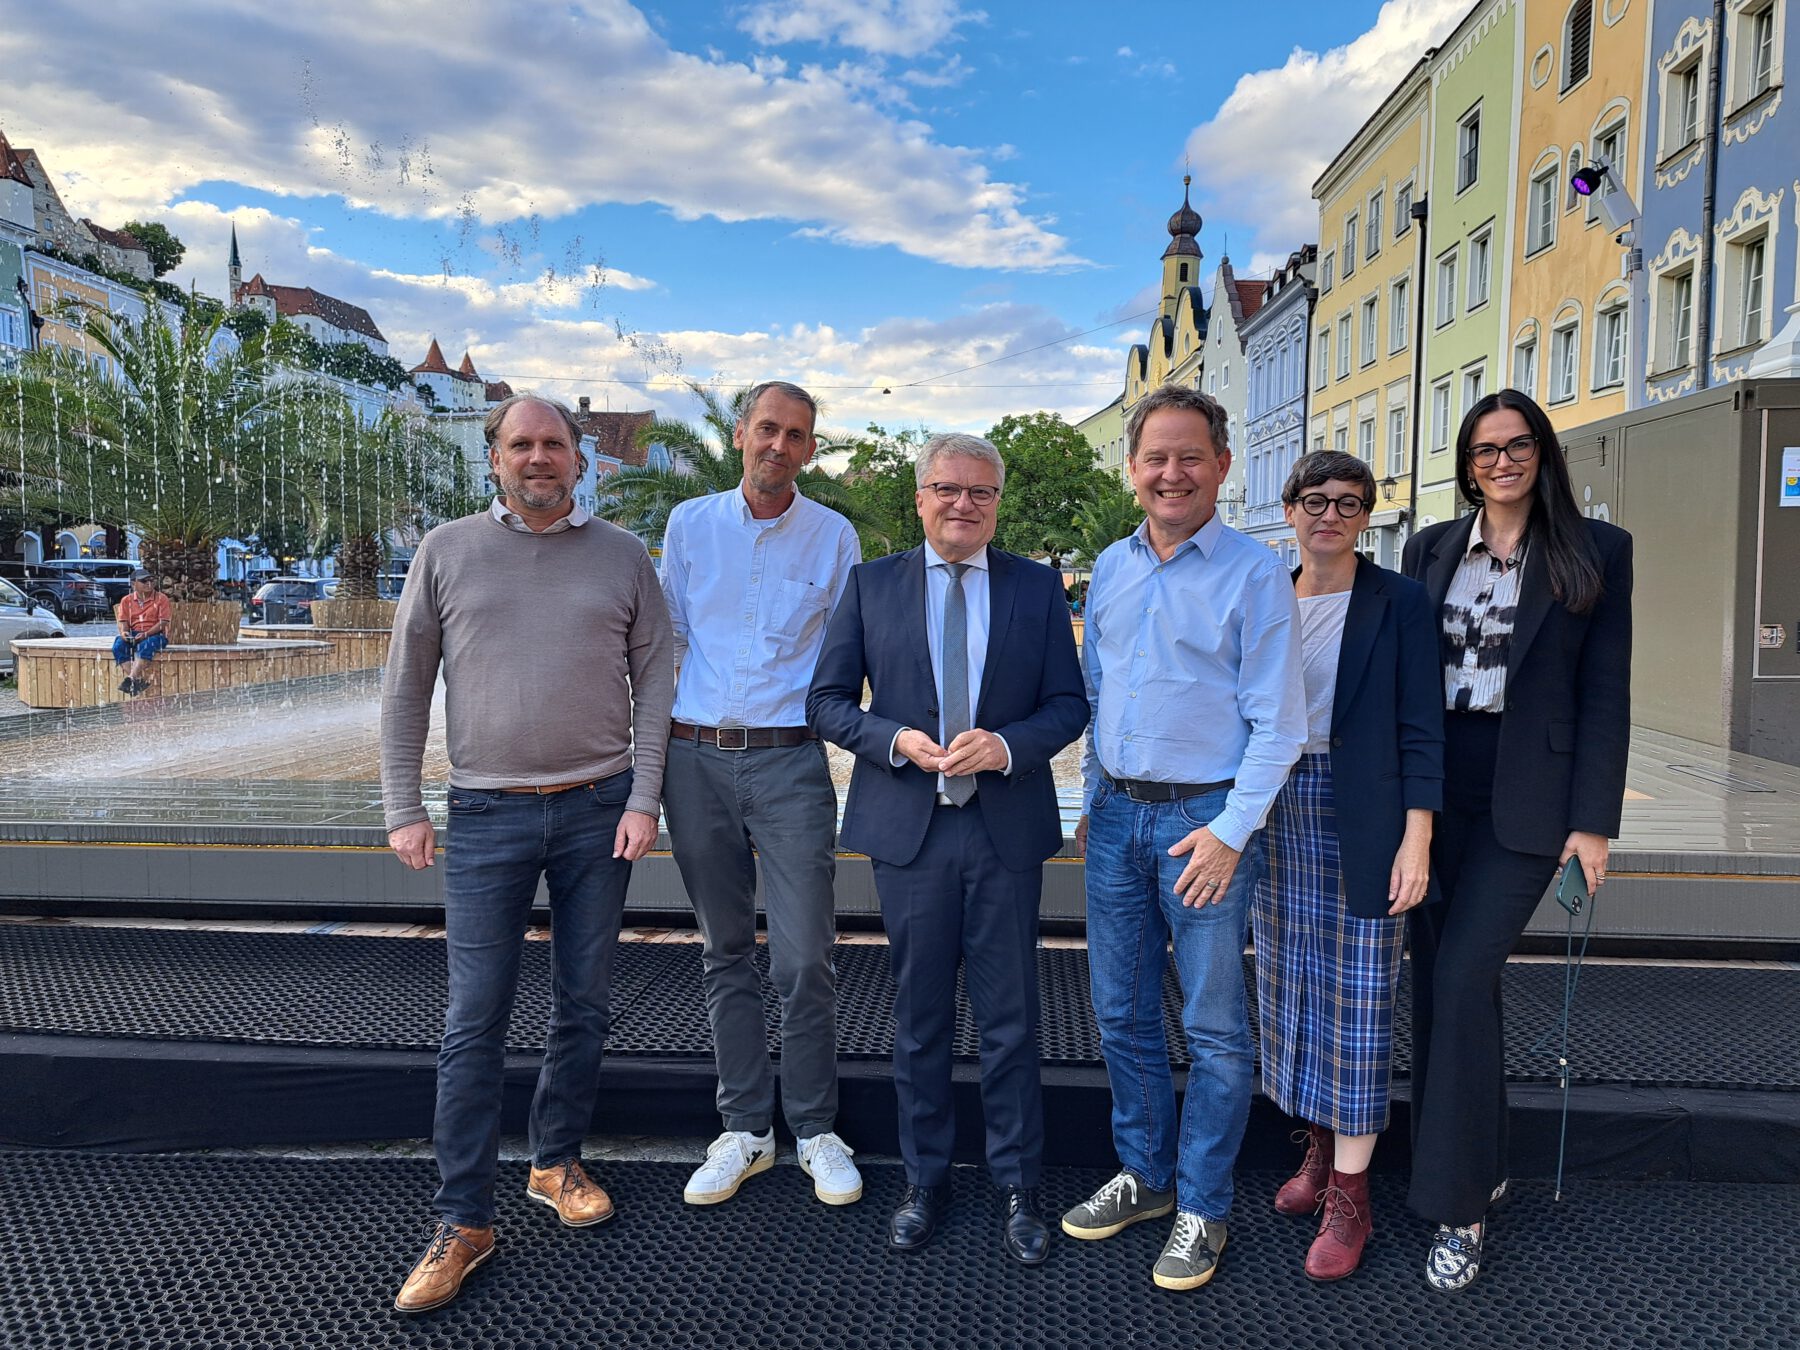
(266, 1252)
(345, 1030)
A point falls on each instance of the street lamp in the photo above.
(1388, 487)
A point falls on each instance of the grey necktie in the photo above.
(956, 677)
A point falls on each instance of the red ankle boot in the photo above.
(1300, 1193)
(1344, 1228)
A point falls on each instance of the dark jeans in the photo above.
(499, 845)
(728, 810)
(1459, 949)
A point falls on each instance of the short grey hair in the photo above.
(755, 392)
(1183, 399)
(956, 444)
(490, 428)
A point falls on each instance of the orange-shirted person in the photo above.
(143, 631)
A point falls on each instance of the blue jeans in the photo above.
(146, 648)
(1132, 914)
(499, 844)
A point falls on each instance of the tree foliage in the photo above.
(880, 478)
(1051, 473)
(640, 498)
(165, 249)
(1109, 514)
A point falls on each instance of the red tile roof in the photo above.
(615, 434)
(11, 166)
(295, 300)
(467, 367)
(117, 238)
(433, 364)
(498, 390)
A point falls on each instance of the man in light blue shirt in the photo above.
(1192, 660)
(751, 577)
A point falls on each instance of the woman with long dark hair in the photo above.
(1534, 631)
(1349, 852)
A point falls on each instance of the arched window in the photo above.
(1578, 43)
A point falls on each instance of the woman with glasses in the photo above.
(1348, 842)
(1533, 602)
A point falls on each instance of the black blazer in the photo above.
(1567, 724)
(1031, 694)
(1387, 730)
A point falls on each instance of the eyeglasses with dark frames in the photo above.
(1348, 508)
(1520, 450)
(949, 493)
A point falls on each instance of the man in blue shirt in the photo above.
(1192, 659)
(751, 576)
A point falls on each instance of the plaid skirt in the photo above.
(1325, 978)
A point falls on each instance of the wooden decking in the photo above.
(80, 673)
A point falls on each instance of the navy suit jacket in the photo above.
(1566, 730)
(1387, 730)
(1031, 694)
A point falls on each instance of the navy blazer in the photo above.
(1566, 728)
(1031, 694)
(1387, 730)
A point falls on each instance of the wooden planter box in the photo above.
(354, 613)
(204, 622)
(351, 648)
(80, 673)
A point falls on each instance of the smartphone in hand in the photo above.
(1571, 886)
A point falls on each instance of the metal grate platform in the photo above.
(1666, 1026)
(194, 1253)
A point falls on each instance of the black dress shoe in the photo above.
(916, 1217)
(1026, 1236)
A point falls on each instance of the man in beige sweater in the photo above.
(557, 659)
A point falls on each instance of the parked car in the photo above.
(112, 573)
(289, 599)
(23, 617)
(389, 585)
(70, 596)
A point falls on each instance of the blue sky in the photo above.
(607, 199)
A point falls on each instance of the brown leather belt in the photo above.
(550, 789)
(742, 738)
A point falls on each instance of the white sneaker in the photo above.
(826, 1159)
(730, 1158)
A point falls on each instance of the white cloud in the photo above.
(498, 113)
(1126, 52)
(1278, 128)
(564, 340)
(906, 28)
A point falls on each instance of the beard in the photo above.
(542, 494)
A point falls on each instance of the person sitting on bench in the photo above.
(143, 631)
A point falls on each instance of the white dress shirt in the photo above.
(749, 600)
(975, 603)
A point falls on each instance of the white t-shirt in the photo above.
(1321, 634)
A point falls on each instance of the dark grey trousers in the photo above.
(725, 810)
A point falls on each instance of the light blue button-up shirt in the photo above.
(749, 599)
(1193, 671)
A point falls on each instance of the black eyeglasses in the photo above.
(949, 493)
(1349, 508)
(1519, 450)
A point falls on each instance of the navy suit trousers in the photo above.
(955, 901)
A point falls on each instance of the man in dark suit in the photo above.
(974, 686)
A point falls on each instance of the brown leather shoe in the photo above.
(1344, 1228)
(571, 1193)
(1300, 1193)
(438, 1277)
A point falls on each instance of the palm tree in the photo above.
(179, 448)
(641, 498)
(1107, 516)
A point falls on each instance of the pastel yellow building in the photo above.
(1364, 343)
(1580, 100)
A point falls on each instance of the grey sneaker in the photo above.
(1118, 1204)
(1191, 1254)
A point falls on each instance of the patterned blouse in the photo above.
(1479, 611)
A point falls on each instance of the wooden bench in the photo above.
(80, 673)
(351, 648)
